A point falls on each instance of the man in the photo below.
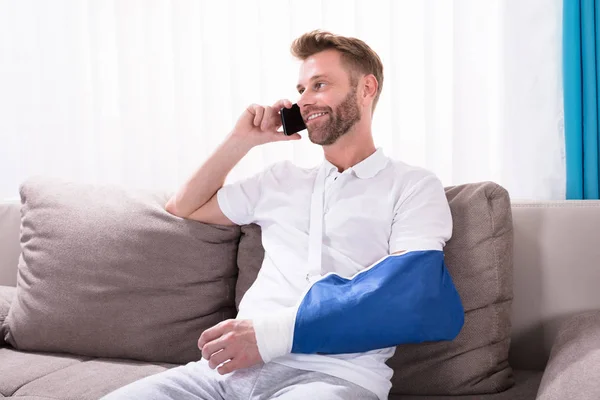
(353, 249)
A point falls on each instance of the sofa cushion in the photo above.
(89, 380)
(525, 388)
(62, 376)
(7, 294)
(17, 368)
(107, 272)
(572, 371)
(479, 258)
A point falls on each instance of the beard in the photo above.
(338, 123)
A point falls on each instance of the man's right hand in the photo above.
(259, 124)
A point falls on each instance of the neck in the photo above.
(350, 149)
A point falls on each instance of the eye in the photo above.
(318, 85)
(301, 91)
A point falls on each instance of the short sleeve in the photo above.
(238, 200)
(422, 219)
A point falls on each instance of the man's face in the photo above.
(328, 101)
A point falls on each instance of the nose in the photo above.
(305, 100)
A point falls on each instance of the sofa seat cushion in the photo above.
(37, 376)
(17, 368)
(29, 398)
(64, 376)
(525, 388)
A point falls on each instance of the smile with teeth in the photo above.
(316, 115)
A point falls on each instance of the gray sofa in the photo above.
(554, 330)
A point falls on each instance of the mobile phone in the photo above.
(291, 120)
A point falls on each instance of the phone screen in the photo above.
(291, 120)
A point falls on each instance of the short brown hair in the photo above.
(356, 54)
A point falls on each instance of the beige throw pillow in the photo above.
(107, 272)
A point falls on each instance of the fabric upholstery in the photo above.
(17, 368)
(107, 272)
(63, 376)
(91, 379)
(525, 388)
(572, 371)
(37, 376)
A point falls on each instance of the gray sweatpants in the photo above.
(196, 381)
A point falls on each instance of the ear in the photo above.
(369, 87)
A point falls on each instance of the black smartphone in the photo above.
(291, 120)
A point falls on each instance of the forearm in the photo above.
(209, 178)
(408, 298)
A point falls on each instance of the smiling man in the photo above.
(353, 249)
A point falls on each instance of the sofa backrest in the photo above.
(10, 249)
(556, 269)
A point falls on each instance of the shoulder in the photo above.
(410, 177)
(415, 186)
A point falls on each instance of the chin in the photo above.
(316, 138)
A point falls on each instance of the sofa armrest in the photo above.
(7, 294)
(572, 371)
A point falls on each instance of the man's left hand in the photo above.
(233, 341)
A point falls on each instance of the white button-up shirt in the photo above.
(377, 207)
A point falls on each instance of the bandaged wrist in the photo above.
(275, 333)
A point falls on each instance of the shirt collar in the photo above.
(367, 168)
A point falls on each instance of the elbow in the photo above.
(442, 317)
(457, 322)
(451, 318)
(170, 207)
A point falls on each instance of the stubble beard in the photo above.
(340, 121)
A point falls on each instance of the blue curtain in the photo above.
(581, 56)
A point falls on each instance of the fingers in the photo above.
(278, 105)
(215, 346)
(266, 117)
(236, 348)
(229, 366)
(220, 357)
(215, 332)
(263, 117)
(258, 112)
(268, 120)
